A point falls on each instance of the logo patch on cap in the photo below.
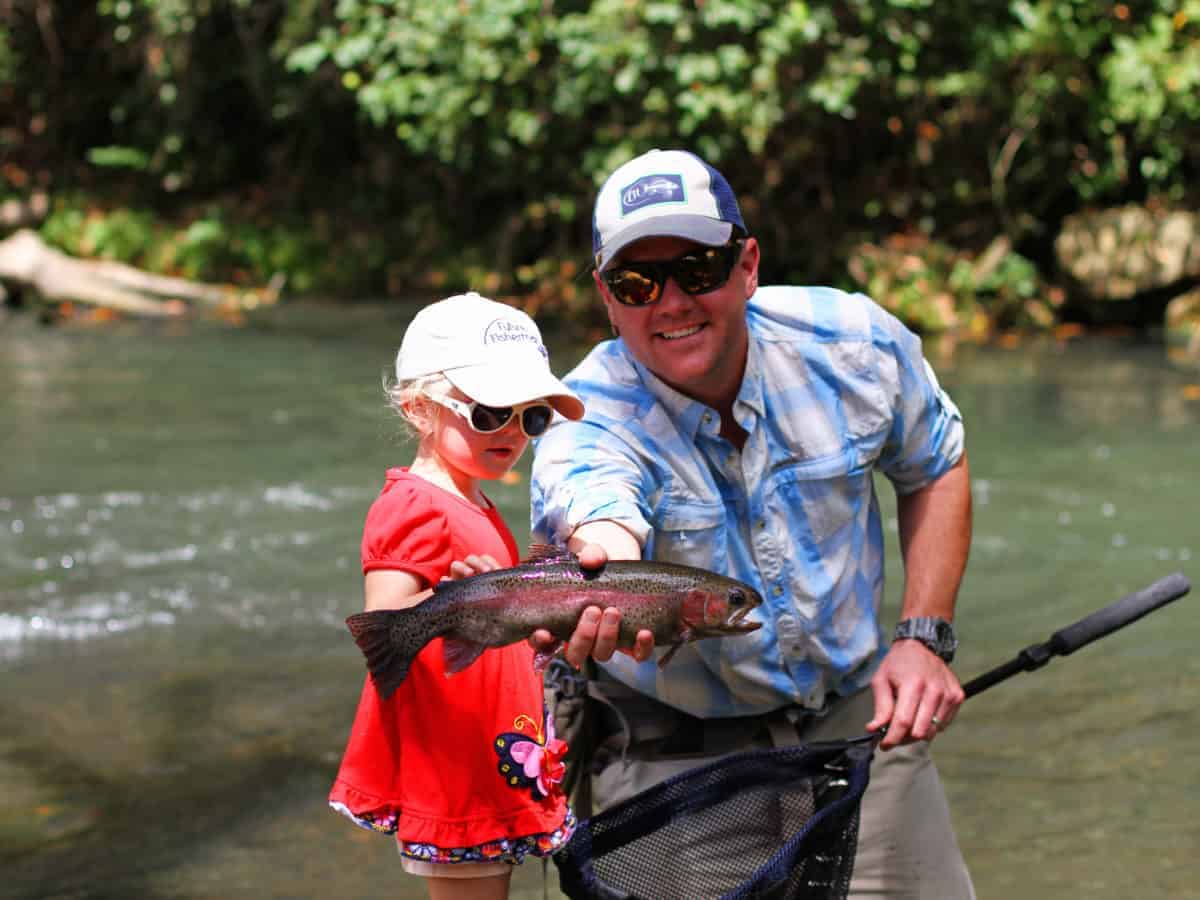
(650, 190)
(506, 331)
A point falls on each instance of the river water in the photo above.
(180, 509)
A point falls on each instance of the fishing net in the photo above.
(769, 824)
(776, 824)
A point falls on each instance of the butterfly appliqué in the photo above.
(531, 760)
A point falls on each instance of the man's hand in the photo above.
(598, 630)
(913, 687)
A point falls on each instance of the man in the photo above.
(737, 428)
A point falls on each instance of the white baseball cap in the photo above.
(663, 193)
(490, 351)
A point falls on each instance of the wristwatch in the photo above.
(936, 634)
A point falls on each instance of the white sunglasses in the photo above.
(535, 417)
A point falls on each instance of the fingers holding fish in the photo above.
(586, 640)
(471, 565)
(643, 647)
(592, 557)
(545, 645)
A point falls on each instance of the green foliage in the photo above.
(206, 244)
(936, 288)
(461, 142)
(118, 157)
(9, 60)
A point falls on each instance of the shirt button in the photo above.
(707, 418)
(791, 636)
(777, 590)
(760, 524)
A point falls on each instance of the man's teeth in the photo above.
(682, 332)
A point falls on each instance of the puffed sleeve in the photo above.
(405, 530)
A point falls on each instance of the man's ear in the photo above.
(608, 302)
(748, 263)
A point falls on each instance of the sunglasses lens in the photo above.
(486, 419)
(699, 273)
(695, 273)
(632, 288)
(536, 419)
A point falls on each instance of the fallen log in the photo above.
(28, 262)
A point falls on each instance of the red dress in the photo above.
(462, 768)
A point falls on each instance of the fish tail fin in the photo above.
(387, 663)
(458, 654)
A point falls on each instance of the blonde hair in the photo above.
(402, 395)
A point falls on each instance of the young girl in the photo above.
(474, 381)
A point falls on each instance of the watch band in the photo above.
(935, 633)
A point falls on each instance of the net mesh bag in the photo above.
(770, 824)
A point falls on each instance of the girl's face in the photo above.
(464, 452)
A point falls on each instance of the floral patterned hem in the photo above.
(506, 850)
(381, 823)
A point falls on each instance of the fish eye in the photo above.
(737, 597)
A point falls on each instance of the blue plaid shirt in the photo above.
(835, 387)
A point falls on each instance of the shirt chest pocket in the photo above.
(689, 531)
(821, 498)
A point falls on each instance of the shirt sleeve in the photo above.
(927, 436)
(405, 530)
(583, 472)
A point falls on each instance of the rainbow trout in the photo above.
(677, 603)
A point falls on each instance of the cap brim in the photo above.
(515, 385)
(691, 227)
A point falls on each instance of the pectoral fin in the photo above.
(458, 654)
(666, 657)
(542, 658)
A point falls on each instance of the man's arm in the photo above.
(913, 685)
(596, 634)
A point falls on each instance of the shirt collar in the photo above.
(688, 414)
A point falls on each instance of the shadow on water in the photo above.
(133, 826)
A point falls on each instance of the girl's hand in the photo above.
(472, 565)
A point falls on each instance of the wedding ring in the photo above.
(936, 721)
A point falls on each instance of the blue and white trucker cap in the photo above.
(663, 193)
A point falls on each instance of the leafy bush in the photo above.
(936, 289)
(461, 143)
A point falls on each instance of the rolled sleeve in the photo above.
(927, 436)
(583, 473)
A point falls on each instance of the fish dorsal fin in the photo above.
(546, 553)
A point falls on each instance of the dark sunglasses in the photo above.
(696, 272)
(535, 417)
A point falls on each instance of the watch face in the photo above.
(936, 634)
(947, 641)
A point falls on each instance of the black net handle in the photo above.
(1090, 628)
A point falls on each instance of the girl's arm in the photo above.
(397, 589)
(393, 589)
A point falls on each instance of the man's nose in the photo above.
(673, 296)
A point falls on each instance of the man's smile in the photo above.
(681, 332)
